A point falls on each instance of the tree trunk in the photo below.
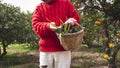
(112, 64)
(112, 61)
(4, 49)
(0, 50)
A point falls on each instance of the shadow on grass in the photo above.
(92, 49)
(18, 60)
(89, 58)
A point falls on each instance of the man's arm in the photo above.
(72, 13)
(41, 28)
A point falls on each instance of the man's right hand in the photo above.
(53, 26)
(71, 21)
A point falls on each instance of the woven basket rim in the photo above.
(78, 32)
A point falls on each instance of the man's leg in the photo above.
(44, 66)
(62, 59)
(46, 60)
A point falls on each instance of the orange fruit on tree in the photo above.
(105, 39)
(105, 56)
(97, 22)
(86, 17)
(110, 45)
(78, 6)
(118, 35)
(95, 32)
(85, 33)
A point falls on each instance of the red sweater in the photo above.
(52, 12)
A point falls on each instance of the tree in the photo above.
(107, 16)
(8, 16)
(88, 17)
(15, 26)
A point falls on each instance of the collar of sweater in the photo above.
(53, 1)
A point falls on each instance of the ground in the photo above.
(83, 58)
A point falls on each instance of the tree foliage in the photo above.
(15, 26)
(107, 31)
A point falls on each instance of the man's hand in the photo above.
(71, 21)
(53, 26)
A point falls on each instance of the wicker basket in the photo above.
(71, 41)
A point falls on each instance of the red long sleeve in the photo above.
(55, 11)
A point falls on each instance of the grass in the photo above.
(87, 58)
(18, 56)
(23, 47)
(12, 60)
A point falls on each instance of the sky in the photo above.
(24, 4)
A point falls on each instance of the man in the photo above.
(46, 18)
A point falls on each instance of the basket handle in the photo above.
(80, 25)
